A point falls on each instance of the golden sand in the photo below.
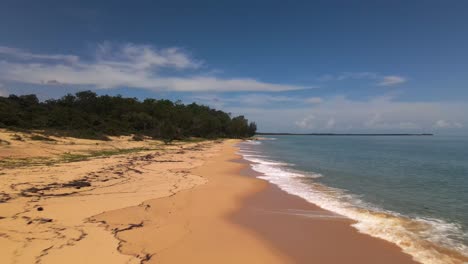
(240, 219)
(45, 207)
(121, 201)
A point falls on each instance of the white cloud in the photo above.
(129, 65)
(441, 124)
(380, 114)
(306, 122)
(330, 123)
(392, 80)
(374, 121)
(326, 78)
(261, 99)
(357, 75)
(144, 57)
(214, 84)
(447, 124)
(408, 125)
(348, 75)
(254, 99)
(314, 100)
(21, 54)
(383, 114)
(382, 80)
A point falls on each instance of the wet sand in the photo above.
(236, 218)
(308, 233)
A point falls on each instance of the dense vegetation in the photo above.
(88, 115)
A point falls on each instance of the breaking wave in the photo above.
(428, 240)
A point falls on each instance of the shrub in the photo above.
(138, 137)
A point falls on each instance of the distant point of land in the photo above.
(344, 134)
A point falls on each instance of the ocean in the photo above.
(409, 190)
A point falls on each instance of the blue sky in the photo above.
(315, 66)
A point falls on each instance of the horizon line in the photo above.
(346, 134)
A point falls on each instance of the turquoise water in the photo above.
(410, 190)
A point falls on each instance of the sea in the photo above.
(408, 190)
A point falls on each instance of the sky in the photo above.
(313, 66)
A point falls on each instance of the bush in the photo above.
(138, 137)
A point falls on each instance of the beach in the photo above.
(186, 202)
(50, 189)
(216, 132)
(235, 218)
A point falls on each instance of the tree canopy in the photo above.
(88, 115)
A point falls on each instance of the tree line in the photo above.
(88, 115)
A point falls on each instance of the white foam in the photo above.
(254, 156)
(369, 219)
(250, 151)
(252, 142)
(265, 161)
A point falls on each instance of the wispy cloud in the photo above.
(341, 114)
(255, 99)
(392, 80)
(379, 79)
(447, 124)
(21, 54)
(330, 123)
(282, 113)
(313, 100)
(128, 65)
(143, 57)
(357, 75)
(306, 122)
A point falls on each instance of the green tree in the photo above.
(88, 115)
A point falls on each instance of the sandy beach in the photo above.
(50, 189)
(182, 203)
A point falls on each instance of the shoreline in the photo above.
(412, 236)
(306, 232)
(186, 202)
(235, 217)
